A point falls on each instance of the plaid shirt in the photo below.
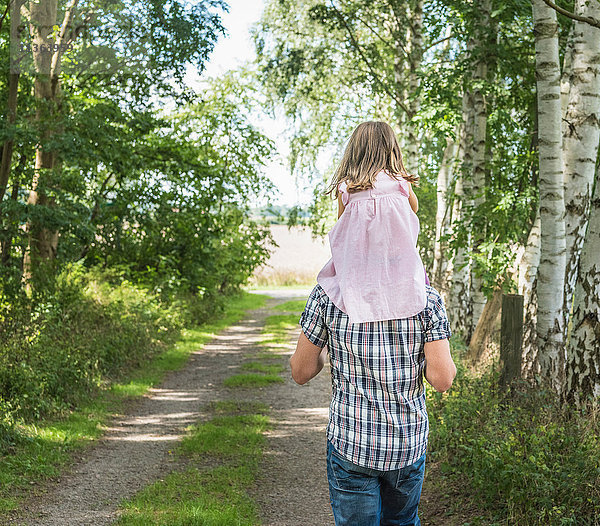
(377, 416)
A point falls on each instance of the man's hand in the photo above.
(439, 369)
(307, 361)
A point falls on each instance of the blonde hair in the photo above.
(372, 147)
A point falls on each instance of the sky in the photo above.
(231, 51)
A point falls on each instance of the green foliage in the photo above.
(90, 330)
(63, 346)
(37, 448)
(163, 196)
(526, 458)
(292, 306)
(184, 222)
(333, 65)
(259, 367)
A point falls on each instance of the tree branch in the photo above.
(433, 44)
(573, 16)
(368, 26)
(5, 13)
(356, 45)
(55, 65)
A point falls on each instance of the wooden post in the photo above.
(511, 337)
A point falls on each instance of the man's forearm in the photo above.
(307, 361)
(319, 365)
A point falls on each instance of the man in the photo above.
(378, 427)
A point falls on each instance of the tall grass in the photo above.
(526, 458)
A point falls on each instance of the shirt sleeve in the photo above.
(312, 322)
(437, 326)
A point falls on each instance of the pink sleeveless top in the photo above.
(375, 272)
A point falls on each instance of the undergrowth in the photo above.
(526, 458)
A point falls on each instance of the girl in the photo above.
(375, 272)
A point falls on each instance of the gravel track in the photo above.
(291, 488)
(135, 448)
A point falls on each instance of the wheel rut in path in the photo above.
(134, 450)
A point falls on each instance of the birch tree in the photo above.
(581, 133)
(459, 304)
(480, 74)
(583, 350)
(527, 286)
(551, 271)
(443, 218)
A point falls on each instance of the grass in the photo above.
(292, 306)
(521, 456)
(221, 455)
(46, 446)
(276, 332)
(260, 367)
(233, 439)
(252, 380)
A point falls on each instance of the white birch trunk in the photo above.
(581, 134)
(583, 351)
(414, 48)
(527, 286)
(458, 300)
(480, 74)
(443, 218)
(551, 272)
(459, 304)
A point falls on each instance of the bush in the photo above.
(529, 459)
(59, 347)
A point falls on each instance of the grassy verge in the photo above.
(295, 306)
(45, 447)
(276, 332)
(232, 443)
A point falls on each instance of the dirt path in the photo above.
(134, 451)
(291, 489)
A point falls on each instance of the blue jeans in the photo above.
(368, 497)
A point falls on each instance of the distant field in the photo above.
(296, 261)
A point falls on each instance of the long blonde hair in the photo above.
(372, 147)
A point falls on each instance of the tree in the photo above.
(128, 53)
(551, 269)
(581, 137)
(583, 351)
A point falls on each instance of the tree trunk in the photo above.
(583, 351)
(459, 304)
(527, 285)
(480, 75)
(7, 236)
(43, 242)
(414, 47)
(581, 135)
(551, 272)
(407, 65)
(13, 89)
(485, 327)
(443, 219)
